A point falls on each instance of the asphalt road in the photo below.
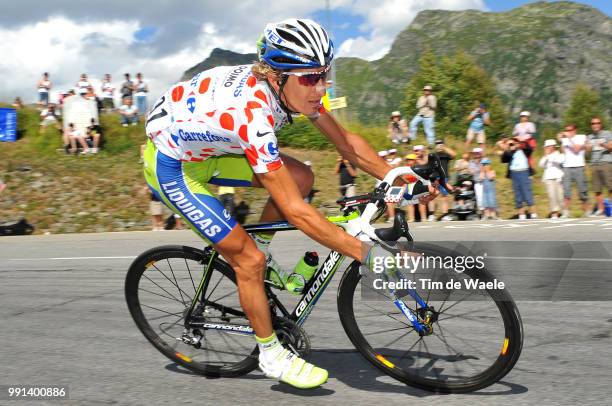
(65, 322)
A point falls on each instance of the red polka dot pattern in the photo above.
(227, 121)
(204, 85)
(177, 93)
(261, 95)
(242, 132)
(251, 81)
(270, 120)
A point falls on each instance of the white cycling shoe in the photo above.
(293, 370)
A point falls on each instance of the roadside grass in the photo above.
(61, 193)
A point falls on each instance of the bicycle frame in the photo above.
(313, 289)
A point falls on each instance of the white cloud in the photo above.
(74, 38)
(385, 19)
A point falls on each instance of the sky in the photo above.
(162, 38)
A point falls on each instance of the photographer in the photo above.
(398, 129)
(516, 154)
(478, 118)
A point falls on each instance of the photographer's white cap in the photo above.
(525, 113)
(382, 153)
(477, 150)
(550, 143)
(418, 148)
(392, 151)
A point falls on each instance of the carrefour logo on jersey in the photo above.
(198, 136)
(272, 150)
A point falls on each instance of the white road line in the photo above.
(67, 258)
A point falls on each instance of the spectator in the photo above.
(108, 94)
(475, 167)
(398, 129)
(516, 155)
(445, 154)
(426, 106)
(129, 112)
(127, 87)
(313, 191)
(462, 166)
(525, 131)
(83, 85)
(156, 208)
(552, 162)
(48, 117)
(478, 118)
(94, 133)
(44, 86)
(73, 135)
(90, 95)
(410, 159)
(17, 103)
(600, 146)
(489, 194)
(393, 159)
(347, 177)
(141, 90)
(573, 147)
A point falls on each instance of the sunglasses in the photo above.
(309, 78)
(595, 122)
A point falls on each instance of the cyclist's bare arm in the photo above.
(286, 195)
(352, 146)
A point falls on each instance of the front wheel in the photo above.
(472, 343)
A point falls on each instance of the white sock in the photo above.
(269, 348)
(263, 242)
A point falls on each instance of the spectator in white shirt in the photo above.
(108, 93)
(573, 147)
(141, 89)
(552, 162)
(48, 117)
(44, 86)
(82, 85)
(129, 112)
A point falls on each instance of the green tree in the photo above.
(459, 85)
(583, 106)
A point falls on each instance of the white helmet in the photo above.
(295, 43)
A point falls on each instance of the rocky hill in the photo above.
(535, 53)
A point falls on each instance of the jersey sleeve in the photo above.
(257, 138)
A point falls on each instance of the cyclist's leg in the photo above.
(180, 185)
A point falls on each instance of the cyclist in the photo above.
(219, 128)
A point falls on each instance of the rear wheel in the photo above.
(159, 288)
(472, 343)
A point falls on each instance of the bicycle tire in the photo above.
(503, 364)
(132, 282)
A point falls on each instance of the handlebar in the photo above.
(422, 178)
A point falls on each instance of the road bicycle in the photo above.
(185, 302)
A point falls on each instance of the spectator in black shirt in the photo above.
(445, 154)
(347, 177)
(127, 87)
(94, 133)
